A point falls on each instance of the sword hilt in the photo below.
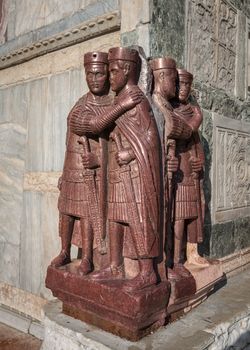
(171, 146)
(85, 144)
(117, 138)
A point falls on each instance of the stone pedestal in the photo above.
(189, 292)
(106, 305)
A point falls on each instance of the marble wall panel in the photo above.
(13, 117)
(31, 243)
(39, 240)
(9, 262)
(78, 85)
(37, 115)
(53, 16)
(58, 107)
(32, 14)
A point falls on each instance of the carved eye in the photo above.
(99, 74)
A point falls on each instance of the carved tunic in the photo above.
(138, 130)
(73, 199)
(189, 201)
(117, 207)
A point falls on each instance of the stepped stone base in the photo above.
(106, 305)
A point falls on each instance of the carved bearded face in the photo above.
(167, 80)
(118, 75)
(97, 78)
(184, 88)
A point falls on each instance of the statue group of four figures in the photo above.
(133, 188)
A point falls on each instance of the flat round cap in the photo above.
(184, 72)
(123, 54)
(163, 63)
(95, 57)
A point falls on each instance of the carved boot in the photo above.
(85, 267)
(178, 271)
(111, 272)
(66, 230)
(141, 281)
(193, 256)
(63, 258)
(145, 278)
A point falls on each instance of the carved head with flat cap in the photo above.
(185, 84)
(165, 76)
(96, 71)
(123, 66)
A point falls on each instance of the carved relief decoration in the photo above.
(233, 169)
(212, 33)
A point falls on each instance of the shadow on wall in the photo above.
(242, 343)
(204, 248)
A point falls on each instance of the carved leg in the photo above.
(178, 268)
(87, 247)
(178, 240)
(116, 269)
(66, 231)
(116, 231)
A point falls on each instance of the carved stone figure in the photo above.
(173, 128)
(83, 183)
(133, 175)
(133, 180)
(189, 203)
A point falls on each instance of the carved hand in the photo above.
(131, 99)
(125, 156)
(90, 161)
(172, 164)
(196, 164)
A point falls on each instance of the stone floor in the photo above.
(11, 339)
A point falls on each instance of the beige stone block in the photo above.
(22, 301)
(57, 62)
(41, 181)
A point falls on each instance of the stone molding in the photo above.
(98, 26)
(41, 181)
(236, 262)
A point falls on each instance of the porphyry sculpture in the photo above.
(189, 198)
(133, 182)
(136, 190)
(82, 185)
(132, 203)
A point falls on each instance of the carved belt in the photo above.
(114, 175)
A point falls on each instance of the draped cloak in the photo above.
(139, 128)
